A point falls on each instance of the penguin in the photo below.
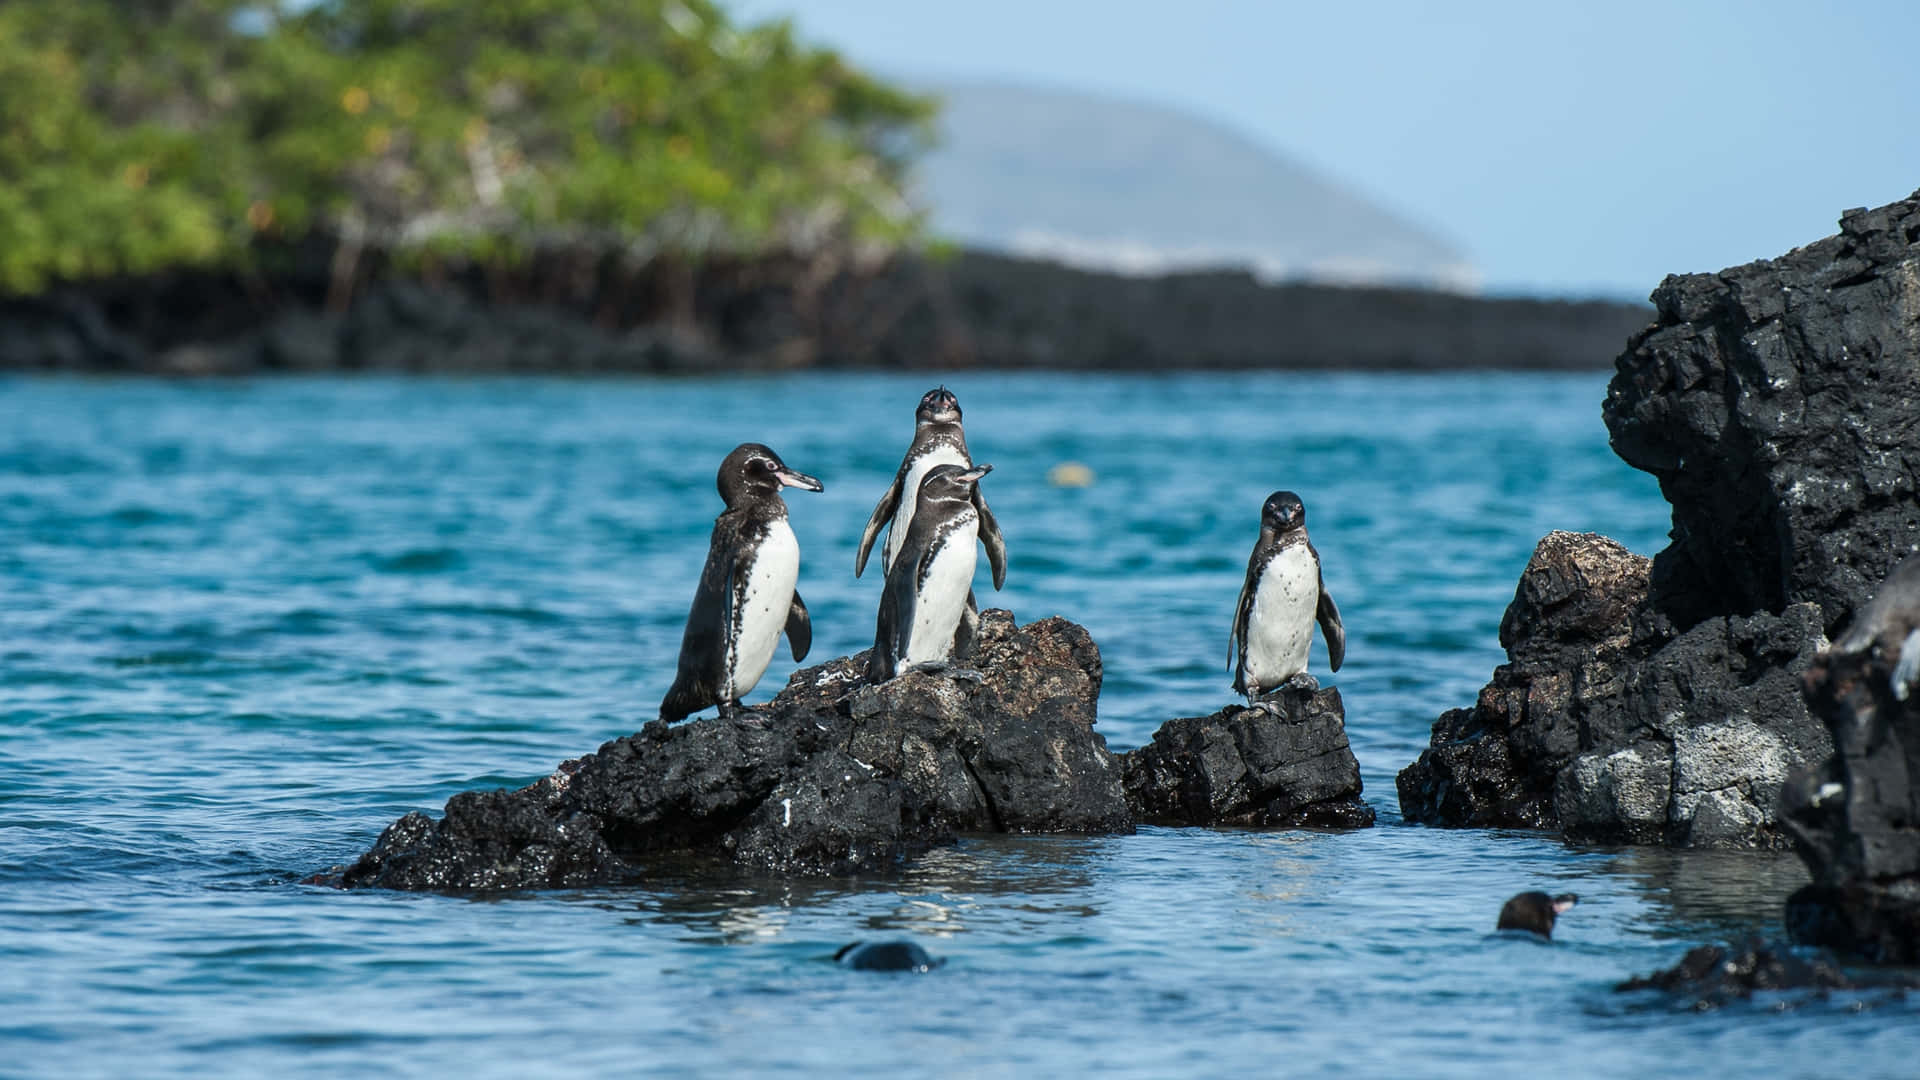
(746, 594)
(937, 440)
(885, 956)
(1284, 593)
(1535, 912)
(1889, 625)
(923, 606)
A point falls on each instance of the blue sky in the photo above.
(1572, 149)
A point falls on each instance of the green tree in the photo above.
(138, 135)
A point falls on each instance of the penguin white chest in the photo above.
(1280, 626)
(942, 595)
(910, 494)
(761, 603)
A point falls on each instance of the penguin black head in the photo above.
(753, 471)
(937, 406)
(952, 482)
(1535, 911)
(1283, 512)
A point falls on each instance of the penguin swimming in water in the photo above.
(1535, 912)
(1283, 595)
(746, 594)
(924, 604)
(937, 440)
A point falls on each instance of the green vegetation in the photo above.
(141, 134)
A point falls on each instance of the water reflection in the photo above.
(1710, 894)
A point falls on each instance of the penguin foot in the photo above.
(1303, 681)
(1271, 708)
(750, 718)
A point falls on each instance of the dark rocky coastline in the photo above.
(835, 777)
(1660, 702)
(574, 313)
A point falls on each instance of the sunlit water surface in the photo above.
(247, 624)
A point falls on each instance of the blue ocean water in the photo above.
(246, 624)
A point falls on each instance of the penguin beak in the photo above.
(1564, 901)
(973, 475)
(789, 478)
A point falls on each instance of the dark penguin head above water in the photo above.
(885, 956)
(754, 472)
(1535, 912)
(1283, 513)
(937, 406)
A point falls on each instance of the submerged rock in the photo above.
(1659, 702)
(1710, 976)
(1854, 819)
(833, 776)
(1285, 761)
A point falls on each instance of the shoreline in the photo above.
(971, 311)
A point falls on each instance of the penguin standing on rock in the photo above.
(746, 594)
(937, 440)
(924, 605)
(1284, 594)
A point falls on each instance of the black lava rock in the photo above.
(1283, 762)
(1775, 404)
(833, 776)
(1660, 703)
(1854, 819)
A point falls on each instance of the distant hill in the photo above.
(1117, 185)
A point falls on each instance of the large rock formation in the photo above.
(1856, 819)
(836, 776)
(1660, 703)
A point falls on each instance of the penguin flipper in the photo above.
(1237, 637)
(968, 629)
(703, 648)
(996, 544)
(799, 628)
(1330, 628)
(882, 513)
(881, 661)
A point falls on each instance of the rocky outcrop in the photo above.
(1775, 404)
(1283, 762)
(1856, 819)
(1608, 725)
(833, 776)
(1659, 702)
(837, 776)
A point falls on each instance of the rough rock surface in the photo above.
(1856, 819)
(832, 776)
(1607, 724)
(1285, 762)
(1660, 703)
(836, 776)
(1775, 404)
(1710, 976)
